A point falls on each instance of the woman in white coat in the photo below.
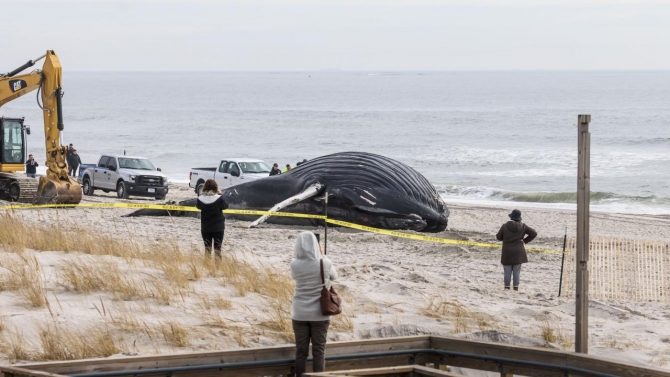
(308, 322)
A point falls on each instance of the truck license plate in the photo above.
(151, 190)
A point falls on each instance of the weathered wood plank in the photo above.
(367, 346)
(229, 356)
(6, 370)
(540, 355)
(416, 369)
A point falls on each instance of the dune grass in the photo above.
(23, 274)
(549, 332)
(13, 344)
(16, 235)
(462, 318)
(60, 342)
(175, 333)
(140, 274)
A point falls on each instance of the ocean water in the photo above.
(506, 138)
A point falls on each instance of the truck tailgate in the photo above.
(83, 167)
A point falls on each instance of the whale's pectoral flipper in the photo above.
(309, 192)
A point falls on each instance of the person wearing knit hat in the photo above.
(514, 234)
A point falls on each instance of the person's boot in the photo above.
(516, 288)
(507, 287)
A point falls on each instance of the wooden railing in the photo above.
(487, 357)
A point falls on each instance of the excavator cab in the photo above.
(12, 160)
(13, 146)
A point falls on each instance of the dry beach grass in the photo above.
(151, 274)
(143, 286)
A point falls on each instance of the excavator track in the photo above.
(27, 188)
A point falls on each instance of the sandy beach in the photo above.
(391, 286)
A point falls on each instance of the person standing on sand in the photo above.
(308, 321)
(212, 221)
(74, 163)
(68, 157)
(31, 167)
(514, 235)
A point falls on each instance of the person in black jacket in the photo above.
(212, 221)
(275, 170)
(31, 167)
(68, 157)
(74, 163)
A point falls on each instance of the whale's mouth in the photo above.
(435, 226)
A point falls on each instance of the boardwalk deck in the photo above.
(435, 351)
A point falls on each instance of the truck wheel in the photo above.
(87, 188)
(198, 188)
(121, 190)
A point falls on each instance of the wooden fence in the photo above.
(620, 269)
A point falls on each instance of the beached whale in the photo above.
(362, 188)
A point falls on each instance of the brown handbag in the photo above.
(330, 300)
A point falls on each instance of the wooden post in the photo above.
(582, 257)
(325, 224)
(560, 280)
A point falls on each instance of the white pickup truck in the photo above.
(126, 175)
(231, 172)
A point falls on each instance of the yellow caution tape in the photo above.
(424, 238)
(267, 213)
(103, 205)
(166, 207)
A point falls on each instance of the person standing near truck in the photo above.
(275, 170)
(212, 222)
(74, 162)
(68, 159)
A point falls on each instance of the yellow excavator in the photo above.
(57, 187)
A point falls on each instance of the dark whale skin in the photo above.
(362, 188)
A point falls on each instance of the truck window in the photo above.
(135, 163)
(254, 167)
(103, 162)
(232, 167)
(223, 167)
(112, 162)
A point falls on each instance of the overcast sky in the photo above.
(369, 35)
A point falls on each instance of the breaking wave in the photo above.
(597, 197)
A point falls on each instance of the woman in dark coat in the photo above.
(212, 222)
(514, 234)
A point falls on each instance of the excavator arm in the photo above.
(57, 186)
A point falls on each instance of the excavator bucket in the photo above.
(51, 191)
